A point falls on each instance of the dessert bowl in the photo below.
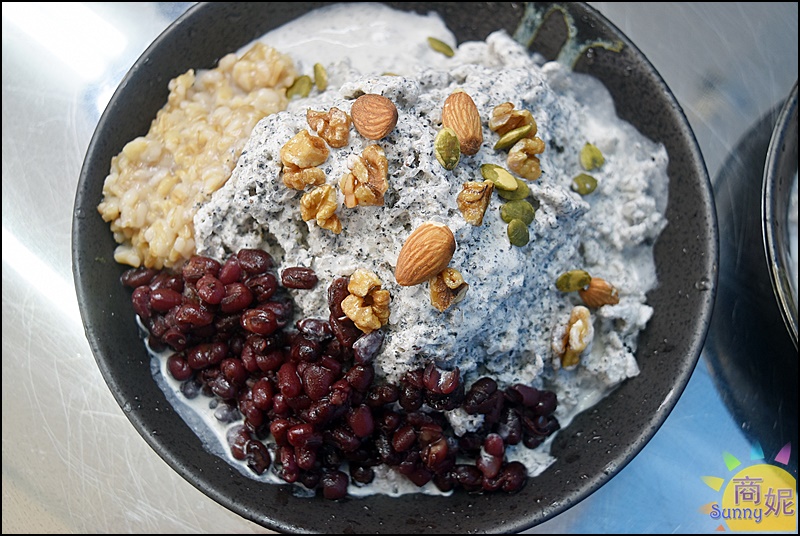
(595, 446)
(779, 212)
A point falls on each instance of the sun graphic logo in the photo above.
(759, 498)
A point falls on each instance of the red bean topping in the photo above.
(288, 381)
(136, 277)
(298, 277)
(237, 298)
(313, 388)
(206, 354)
(210, 289)
(259, 321)
(198, 266)
(254, 261)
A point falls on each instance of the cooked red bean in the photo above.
(194, 315)
(210, 289)
(317, 381)
(254, 261)
(288, 381)
(231, 271)
(257, 456)
(313, 388)
(136, 277)
(178, 367)
(259, 321)
(360, 421)
(198, 266)
(367, 346)
(298, 277)
(263, 391)
(206, 354)
(141, 302)
(263, 286)
(237, 298)
(334, 484)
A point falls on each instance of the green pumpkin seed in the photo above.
(447, 148)
(517, 210)
(584, 184)
(591, 157)
(518, 233)
(573, 280)
(522, 191)
(320, 77)
(441, 47)
(501, 178)
(300, 88)
(511, 137)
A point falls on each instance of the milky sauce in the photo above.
(611, 233)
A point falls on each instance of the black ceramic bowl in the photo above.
(780, 172)
(621, 425)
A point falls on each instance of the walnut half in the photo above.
(572, 340)
(447, 288)
(368, 178)
(368, 304)
(300, 156)
(332, 126)
(474, 199)
(320, 204)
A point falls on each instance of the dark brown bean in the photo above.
(141, 302)
(206, 354)
(231, 271)
(334, 485)
(288, 381)
(298, 277)
(367, 346)
(136, 277)
(259, 321)
(164, 299)
(237, 298)
(262, 286)
(337, 291)
(178, 367)
(237, 437)
(317, 381)
(360, 421)
(257, 456)
(404, 438)
(514, 475)
(254, 261)
(360, 377)
(210, 289)
(194, 315)
(198, 266)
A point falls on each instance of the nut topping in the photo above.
(426, 252)
(447, 288)
(368, 304)
(568, 344)
(461, 114)
(598, 293)
(332, 126)
(474, 199)
(368, 179)
(374, 116)
(320, 204)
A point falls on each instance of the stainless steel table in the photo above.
(71, 460)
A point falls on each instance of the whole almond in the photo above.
(599, 292)
(426, 252)
(374, 116)
(461, 114)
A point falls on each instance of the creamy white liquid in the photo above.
(373, 39)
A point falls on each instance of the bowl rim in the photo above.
(700, 324)
(776, 184)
